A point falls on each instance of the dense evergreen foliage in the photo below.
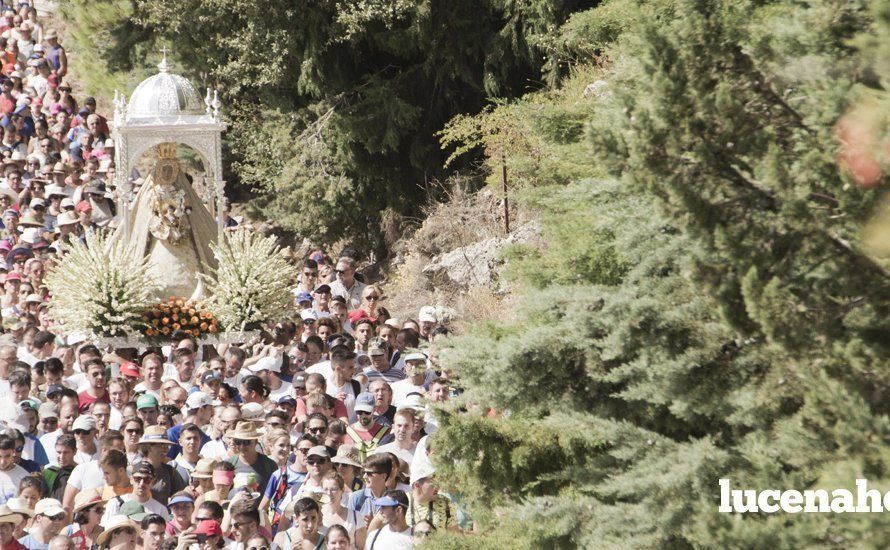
(335, 105)
(702, 308)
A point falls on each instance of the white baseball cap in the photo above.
(197, 400)
(267, 363)
(427, 315)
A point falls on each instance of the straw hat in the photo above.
(9, 193)
(85, 499)
(9, 516)
(243, 430)
(18, 506)
(67, 218)
(155, 434)
(347, 454)
(29, 220)
(114, 524)
(204, 469)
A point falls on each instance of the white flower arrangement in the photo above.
(101, 288)
(252, 282)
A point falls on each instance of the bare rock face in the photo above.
(477, 264)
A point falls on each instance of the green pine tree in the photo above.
(746, 336)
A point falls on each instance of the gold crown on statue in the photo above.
(167, 150)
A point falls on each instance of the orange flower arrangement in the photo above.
(178, 314)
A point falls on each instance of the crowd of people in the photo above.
(313, 435)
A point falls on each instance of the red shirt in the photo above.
(366, 435)
(84, 400)
(13, 545)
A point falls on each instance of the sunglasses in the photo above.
(258, 548)
(319, 430)
(316, 461)
(371, 473)
(132, 431)
(240, 442)
(199, 520)
(239, 524)
(81, 432)
(58, 517)
(341, 271)
(98, 509)
(362, 412)
(127, 531)
(372, 298)
(142, 479)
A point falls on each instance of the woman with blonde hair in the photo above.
(372, 298)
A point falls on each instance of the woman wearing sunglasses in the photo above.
(88, 509)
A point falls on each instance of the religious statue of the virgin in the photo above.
(169, 224)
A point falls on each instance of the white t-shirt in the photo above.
(82, 457)
(285, 389)
(9, 482)
(407, 456)
(142, 388)
(87, 476)
(113, 506)
(349, 402)
(49, 445)
(214, 449)
(323, 368)
(402, 388)
(386, 538)
(115, 420)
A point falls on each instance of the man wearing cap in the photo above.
(248, 460)
(181, 506)
(147, 409)
(395, 533)
(95, 371)
(418, 376)
(380, 367)
(48, 417)
(153, 445)
(84, 429)
(210, 383)
(49, 519)
(143, 476)
(428, 320)
(365, 434)
(8, 522)
(269, 370)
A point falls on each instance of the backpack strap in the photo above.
(50, 477)
(381, 433)
(356, 387)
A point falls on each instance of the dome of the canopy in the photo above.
(164, 94)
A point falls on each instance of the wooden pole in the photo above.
(506, 197)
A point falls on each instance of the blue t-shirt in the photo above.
(29, 542)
